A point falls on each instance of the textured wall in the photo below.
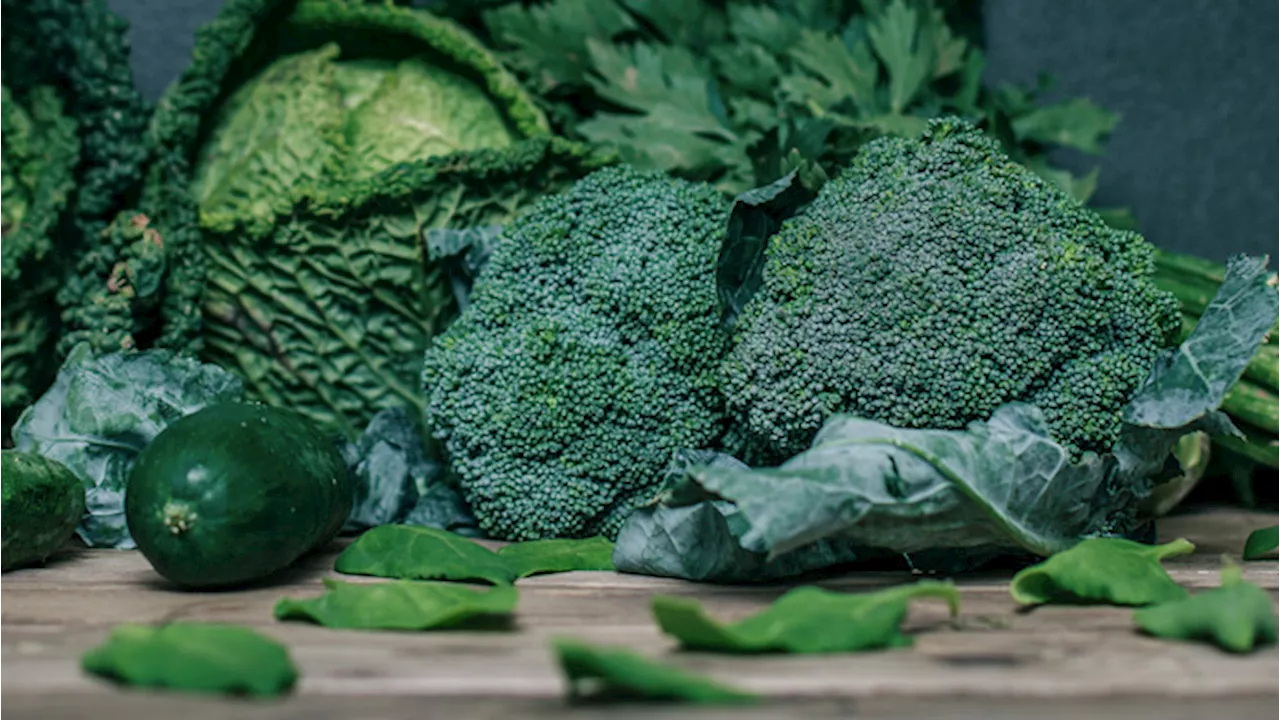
(1195, 155)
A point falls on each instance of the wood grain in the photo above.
(991, 662)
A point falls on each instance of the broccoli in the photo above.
(932, 281)
(588, 355)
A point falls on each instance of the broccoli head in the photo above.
(932, 281)
(588, 354)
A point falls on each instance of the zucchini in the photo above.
(234, 493)
(42, 502)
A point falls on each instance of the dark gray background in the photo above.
(1195, 155)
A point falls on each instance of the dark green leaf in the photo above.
(756, 215)
(196, 657)
(1262, 542)
(399, 605)
(396, 481)
(1237, 616)
(1102, 570)
(1077, 123)
(1191, 381)
(102, 411)
(549, 40)
(846, 74)
(805, 620)
(463, 253)
(553, 556)
(609, 673)
(422, 553)
(907, 52)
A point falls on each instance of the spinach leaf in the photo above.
(102, 411)
(1262, 542)
(1237, 616)
(1102, 570)
(1002, 484)
(397, 481)
(196, 657)
(805, 620)
(610, 673)
(399, 605)
(537, 557)
(423, 553)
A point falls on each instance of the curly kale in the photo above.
(587, 356)
(72, 124)
(931, 282)
(295, 168)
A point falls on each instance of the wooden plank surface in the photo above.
(991, 662)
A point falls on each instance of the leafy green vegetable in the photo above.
(1002, 483)
(397, 482)
(103, 411)
(424, 553)
(398, 605)
(1102, 570)
(725, 91)
(293, 172)
(1262, 542)
(195, 657)
(805, 620)
(72, 131)
(1237, 616)
(610, 673)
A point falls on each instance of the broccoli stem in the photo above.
(1256, 447)
(1172, 264)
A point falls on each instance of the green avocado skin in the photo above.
(234, 493)
(43, 502)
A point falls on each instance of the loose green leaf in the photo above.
(1102, 570)
(195, 657)
(1237, 616)
(906, 50)
(805, 620)
(422, 553)
(607, 673)
(1262, 542)
(399, 605)
(102, 411)
(537, 557)
(1077, 123)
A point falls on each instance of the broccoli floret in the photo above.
(932, 281)
(588, 354)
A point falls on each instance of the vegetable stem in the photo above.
(1253, 405)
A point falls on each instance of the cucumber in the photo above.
(235, 492)
(42, 503)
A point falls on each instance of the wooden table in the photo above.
(993, 662)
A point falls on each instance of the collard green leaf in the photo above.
(423, 553)
(399, 605)
(195, 657)
(1102, 570)
(805, 620)
(756, 215)
(1237, 616)
(396, 481)
(1003, 483)
(537, 557)
(100, 414)
(1262, 542)
(608, 673)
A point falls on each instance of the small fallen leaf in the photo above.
(411, 552)
(611, 673)
(1262, 542)
(805, 620)
(399, 605)
(1237, 616)
(538, 557)
(195, 657)
(1102, 570)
